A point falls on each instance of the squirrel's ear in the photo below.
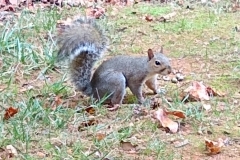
(161, 51)
(150, 54)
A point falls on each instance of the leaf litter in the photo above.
(164, 119)
(214, 147)
(10, 112)
(197, 91)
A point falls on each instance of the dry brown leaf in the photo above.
(41, 154)
(197, 91)
(90, 110)
(85, 124)
(10, 112)
(56, 141)
(3, 3)
(149, 18)
(161, 115)
(12, 151)
(128, 146)
(129, 2)
(214, 147)
(9, 8)
(14, 2)
(95, 12)
(57, 101)
(213, 92)
(179, 114)
(100, 136)
(4, 154)
(8, 153)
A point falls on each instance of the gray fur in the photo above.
(84, 42)
(128, 70)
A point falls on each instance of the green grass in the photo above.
(31, 80)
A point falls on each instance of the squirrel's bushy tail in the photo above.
(84, 42)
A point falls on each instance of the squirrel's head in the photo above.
(158, 63)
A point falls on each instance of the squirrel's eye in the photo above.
(157, 63)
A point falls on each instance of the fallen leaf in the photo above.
(10, 112)
(85, 124)
(55, 141)
(149, 18)
(12, 150)
(161, 115)
(90, 110)
(3, 2)
(179, 114)
(9, 8)
(57, 101)
(214, 147)
(96, 12)
(100, 136)
(4, 154)
(212, 92)
(8, 153)
(197, 91)
(128, 146)
(14, 2)
(41, 154)
(130, 2)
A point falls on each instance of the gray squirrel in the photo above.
(84, 42)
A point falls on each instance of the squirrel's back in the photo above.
(129, 66)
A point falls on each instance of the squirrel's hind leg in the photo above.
(113, 83)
